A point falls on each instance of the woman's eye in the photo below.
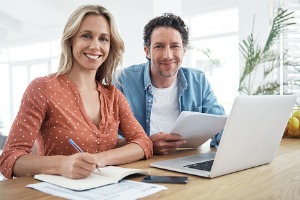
(104, 39)
(86, 36)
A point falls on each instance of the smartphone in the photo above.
(166, 179)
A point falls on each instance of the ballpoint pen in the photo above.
(79, 150)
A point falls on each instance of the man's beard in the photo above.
(167, 75)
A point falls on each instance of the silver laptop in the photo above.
(251, 137)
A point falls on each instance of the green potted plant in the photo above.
(260, 74)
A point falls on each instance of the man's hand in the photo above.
(165, 143)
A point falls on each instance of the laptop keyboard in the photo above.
(204, 166)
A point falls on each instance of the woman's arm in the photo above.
(131, 130)
(125, 154)
(75, 166)
(25, 127)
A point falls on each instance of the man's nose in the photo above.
(167, 53)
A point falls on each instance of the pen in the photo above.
(79, 150)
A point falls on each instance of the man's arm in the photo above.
(165, 143)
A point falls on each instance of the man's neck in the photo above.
(160, 81)
(163, 82)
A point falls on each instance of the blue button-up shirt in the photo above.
(194, 92)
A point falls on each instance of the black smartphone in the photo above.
(166, 179)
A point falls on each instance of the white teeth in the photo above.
(91, 56)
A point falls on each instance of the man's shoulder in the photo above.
(192, 72)
(132, 73)
(134, 68)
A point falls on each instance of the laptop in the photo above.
(251, 137)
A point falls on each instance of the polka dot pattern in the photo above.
(52, 111)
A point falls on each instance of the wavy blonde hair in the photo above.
(114, 59)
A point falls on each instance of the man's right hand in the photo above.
(165, 143)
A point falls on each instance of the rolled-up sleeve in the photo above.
(25, 128)
(131, 130)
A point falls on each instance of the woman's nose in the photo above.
(95, 45)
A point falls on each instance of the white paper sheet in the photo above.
(125, 189)
(197, 127)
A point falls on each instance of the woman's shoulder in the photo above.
(110, 92)
(44, 81)
(40, 80)
(111, 88)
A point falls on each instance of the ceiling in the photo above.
(31, 20)
(26, 20)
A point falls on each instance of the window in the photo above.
(216, 34)
(4, 99)
(291, 74)
(19, 66)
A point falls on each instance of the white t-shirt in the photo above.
(165, 109)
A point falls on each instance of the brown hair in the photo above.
(114, 59)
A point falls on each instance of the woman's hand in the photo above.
(79, 165)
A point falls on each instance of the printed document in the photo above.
(198, 127)
(125, 189)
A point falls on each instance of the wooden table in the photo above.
(277, 180)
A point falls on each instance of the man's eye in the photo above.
(157, 46)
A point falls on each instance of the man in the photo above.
(160, 89)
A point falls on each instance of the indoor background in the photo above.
(30, 33)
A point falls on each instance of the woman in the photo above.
(78, 103)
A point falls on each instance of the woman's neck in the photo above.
(84, 81)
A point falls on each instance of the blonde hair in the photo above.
(114, 59)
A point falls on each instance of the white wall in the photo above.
(255, 16)
(132, 16)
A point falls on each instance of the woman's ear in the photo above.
(70, 41)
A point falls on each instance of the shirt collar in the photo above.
(147, 79)
(182, 83)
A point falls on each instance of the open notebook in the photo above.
(108, 175)
(251, 137)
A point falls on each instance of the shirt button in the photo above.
(147, 120)
(149, 100)
(98, 143)
(97, 136)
